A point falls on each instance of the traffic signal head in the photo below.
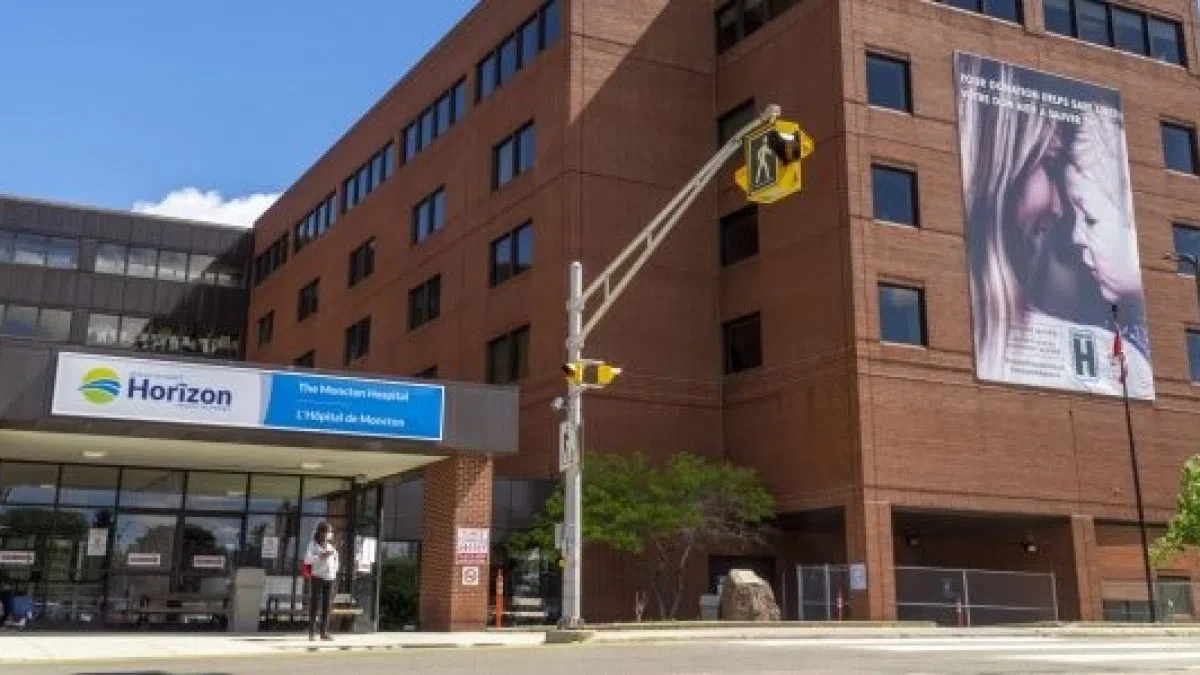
(786, 146)
(590, 373)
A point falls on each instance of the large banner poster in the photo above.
(1051, 241)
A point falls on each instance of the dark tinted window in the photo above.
(1129, 30)
(1187, 242)
(526, 148)
(728, 29)
(1091, 20)
(1166, 40)
(739, 235)
(509, 59)
(358, 341)
(1058, 16)
(732, 122)
(742, 340)
(888, 83)
(1193, 350)
(529, 40)
(894, 195)
(1179, 147)
(511, 254)
(550, 22)
(266, 328)
(362, 263)
(306, 360)
(508, 357)
(306, 303)
(901, 314)
(424, 302)
(485, 76)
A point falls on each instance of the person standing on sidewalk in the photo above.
(322, 557)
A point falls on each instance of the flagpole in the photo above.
(1119, 354)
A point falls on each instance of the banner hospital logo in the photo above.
(103, 385)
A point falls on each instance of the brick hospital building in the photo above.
(835, 341)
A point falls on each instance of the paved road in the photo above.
(763, 657)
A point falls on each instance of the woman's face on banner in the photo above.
(1100, 228)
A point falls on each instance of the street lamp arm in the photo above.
(620, 272)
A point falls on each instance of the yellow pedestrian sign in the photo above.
(773, 155)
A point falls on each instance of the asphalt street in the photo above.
(761, 657)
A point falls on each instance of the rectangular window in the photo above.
(729, 30)
(429, 216)
(62, 253)
(266, 328)
(530, 41)
(509, 59)
(443, 114)
(1129, 31)
(513, 156)
(1179, 147)
(110, 259)
(508, 357)
(103, 329)
(549, 17)
(732, 122)
(429, 373)
(1091, 19)
(143, 262)
(894, 195)
(754, 16)
(1166, 40)
(424, 302)
(741, 340)
(459, 108)
(172, 265)
(362, 262)
(511, 254)
(199, 266)
(1187, 243)
(901, 314)
(485, 77)
(306, 360)
(888, 84)
(738, 19)
(1009, 10)
(6, 246)
(133, 331)
(54, 324)
(30, 249)
(1058, 17)
(739, 235)
(526, 148)
(503, 171)
(19, 321)
(306, 302)
(1193, 351)
(412, 141)
(349, 194)
(358, 341)
(428, 126)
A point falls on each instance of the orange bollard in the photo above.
(499, 598)
(958, 611)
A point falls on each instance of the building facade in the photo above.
(897, 349)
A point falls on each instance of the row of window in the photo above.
(24, 248)
(429, 215)
(739, 19)
(37, 323)
(1111, 25)
(271, 259)
(517, 50)
(144, 334)
(369, 176)
(889, 85)
(449, 109)
(513, 156)
(1007, 10)
(315, 223)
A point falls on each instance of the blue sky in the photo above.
(115, 102)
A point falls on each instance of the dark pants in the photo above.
(320, 598)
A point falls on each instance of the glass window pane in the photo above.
(1187, 241)
(54, 324)
(427, 127)
(133, 330)
(754, 15)
(6, 246)
(412, 141)
(30, 249)
(501, 259)
(972, 5)
(508, 59)
(732, 122)
(485, 75)
(550, 23)
(198, 264)
(887, 83)
(438, 214)
(443, 114)
(460, 101)
(527, 149)
(326, 496)
(143, 262)
(280, 562)
(893, 192)
(68, 562)
(1179, 148)
(524, 253)
(145, 543)
(364, 182)
(216, 491)
(274, 493)
(151, 489)
(498, 361)
(349, 194)
(1193, 350)
(743, 344)
(23, 483)
(172, 265)
(103, 329)
(727, 26)
(1058, 16)
(376, 179)
(20, 321)
(1092, 20)
(504, 163)
(901, 315)
(521, 353)
(1129, 30)
(62, 253)
(389, 160)
(110, 259)
(88, 486)
(739, 236)
(1165, 41)
(529, 41)
(211, 546)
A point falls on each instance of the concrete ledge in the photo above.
(565, 637)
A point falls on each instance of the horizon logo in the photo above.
(100, 385)
(1083, 355)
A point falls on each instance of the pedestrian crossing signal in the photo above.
(592, 374)
(773, 155)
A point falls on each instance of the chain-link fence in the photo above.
(824, 592)
(971, 597)
(1124, 600)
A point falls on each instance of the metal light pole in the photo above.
(571, 459)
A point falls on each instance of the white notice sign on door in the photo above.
(97, 542)
(270, 548)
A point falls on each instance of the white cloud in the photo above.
(209, 206)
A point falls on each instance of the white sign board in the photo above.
(858, 577)
(471, 546)
(208, 562)
(470, 576)
(270, 548)
(144, 560)
(365, 553)
(17, 558)
(567, 447)
(97, 542)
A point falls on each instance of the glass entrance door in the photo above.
(210, 549)
(142, 557)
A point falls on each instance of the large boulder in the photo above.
(746, 597)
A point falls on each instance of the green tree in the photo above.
(662, 515)
(1184, 528)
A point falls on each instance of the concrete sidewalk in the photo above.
(32, 647)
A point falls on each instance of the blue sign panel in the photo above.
(359, 407)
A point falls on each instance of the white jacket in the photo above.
(323, 567)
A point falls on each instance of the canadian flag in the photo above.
(1119, 354)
